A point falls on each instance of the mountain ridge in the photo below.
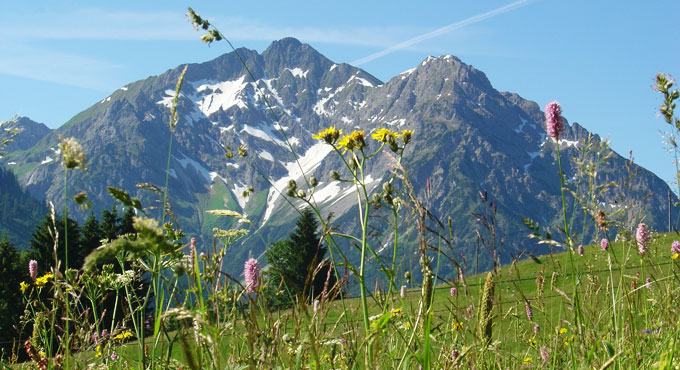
(469, 137)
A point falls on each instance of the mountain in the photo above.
(469, 138)
(29, 132)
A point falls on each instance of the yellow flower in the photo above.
(532, 341)
(406, 135)
(406, 325)
(329, 135)
(675, 256)
(41, 281)
(124, 335)
(357, 138)
(563, 331)
(384, 135)
(457, 325)
(396, 312)
(346, 143)
(98, 349)
(527, 360)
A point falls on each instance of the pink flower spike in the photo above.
(580, 250)
(452, 292)
(553, 120)
(251, 272)
(33, 269)
(642, 237)
(675, 247)
(604, 244)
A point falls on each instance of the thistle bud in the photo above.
(292, 184)
(335, 175)
(301, 193)
(313, 181)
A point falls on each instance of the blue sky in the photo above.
(597, 58)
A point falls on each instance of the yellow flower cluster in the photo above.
(23, 286)
(457, 326)
(41, 281)
(357, 139)
(124, 335)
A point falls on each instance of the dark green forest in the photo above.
(19, 212)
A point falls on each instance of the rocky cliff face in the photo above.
(468, 138)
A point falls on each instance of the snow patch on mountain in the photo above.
(297, 72)
(186, 161)
(307, 164)
(216, 96)
(265, 134)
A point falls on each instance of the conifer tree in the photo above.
(13, 269)
(90, 235)
(294, 261)
(42, 244)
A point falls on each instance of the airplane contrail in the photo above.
(443, 30)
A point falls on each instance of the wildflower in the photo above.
(406, 136)
(454, 354)
(531, 341)
(105, 333)
(72, 154)
(23, 286)
(124, 335)
(580, 250)
(527, 360)
(553, 120)
(457, 326)
(98, 349)
(604, 243)
(544, 354)
(396, 312)
(41, 281)
(329, 135)
(648, 283)
(33, 269)
(601, 219)
(563, 331)
(675, 247)
(642, 237)
(251, 272)
(452, 292)
(384, 135)
(530, 313)
(675, 256)
(355, 140)
(537, 328)
(402, 291)
(95, 338)
(114, 356)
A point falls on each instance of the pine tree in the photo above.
(90, 235)
(110, 224)
(13, 269)
(42, 244)
(294, 262)
(126, 223)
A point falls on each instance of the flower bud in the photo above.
(335, 175)
(313, 181)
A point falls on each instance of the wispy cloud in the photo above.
(57, 67)
(442, 30)
(105, 24)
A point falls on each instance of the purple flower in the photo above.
(105, 333)
(604, 243)
(675, 247)
(544, 354)
(537, 328)
(642, 237)
(454, 354)
(648, 283)
(95, 337)
(114, 356)
(530, 313)
(33, 269)
(553, 120)
(452, 292)
(251, 272)
(580, 250)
